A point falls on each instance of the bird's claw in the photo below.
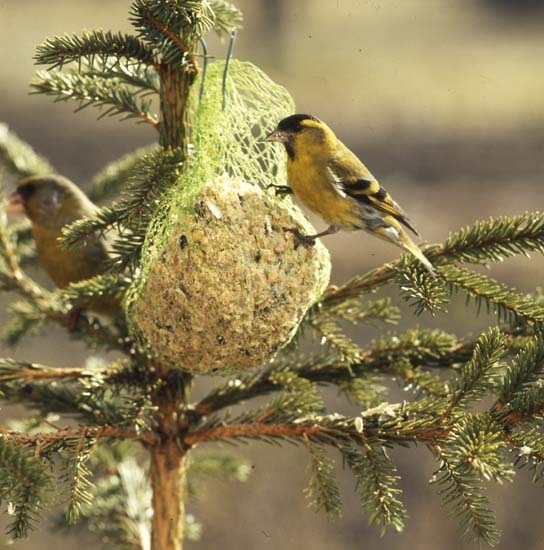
(300, 238)
(280, 190)
(72, 319)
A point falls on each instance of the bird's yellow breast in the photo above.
(67, 266)
(311, 182)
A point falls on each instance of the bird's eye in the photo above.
(26, 191)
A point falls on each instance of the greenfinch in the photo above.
(332, 182)
(52, 202)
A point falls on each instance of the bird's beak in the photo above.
(14, 203)
(277, 135)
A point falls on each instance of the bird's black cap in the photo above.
(26, 189)
(293, 123)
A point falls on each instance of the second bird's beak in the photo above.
(14, 203)
(277, 135)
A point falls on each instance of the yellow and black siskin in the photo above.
(52, 202)
(332, 182)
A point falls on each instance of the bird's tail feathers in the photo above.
(395, 234)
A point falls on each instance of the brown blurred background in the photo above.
(443, 100)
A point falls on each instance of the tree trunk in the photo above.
(168, 486)
(168, 463)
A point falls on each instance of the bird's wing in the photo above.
(352, 178)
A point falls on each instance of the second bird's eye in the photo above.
(26, 191)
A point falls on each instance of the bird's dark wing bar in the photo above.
(350, 186)
(363, 185)
(369, 191)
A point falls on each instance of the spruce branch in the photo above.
(12, 277)
(112, 179)
(422, 347)
(70, 436)
(30, 317)
(505, 302)
(360, 284)
(322, 317)
(496, 239)
(252, 430)
(520, 401)
(469, 505)
(288, 405)
(101, 287)
(226, 16)
(386, 421)
(530, 447)
(480, 440)
(322, 491)
(480, 373)
(377, 482)
(112, 97)
(143, 80)
(110, 48)
(173, 28)
(46, 398)
(417, 380)
(12, 370)
(323, 320)
(366, 390)
(78, 477)
(333, 336)
(422, 292)
(23, 243)
(26, 486)
(118, 374)
(370, 312)
(525, 370)
(460, 472)
(18, 158)
(525, 408)
(98, 394)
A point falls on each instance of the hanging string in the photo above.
(227, 63)
(204, 67)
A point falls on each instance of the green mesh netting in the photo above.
(230, 140)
